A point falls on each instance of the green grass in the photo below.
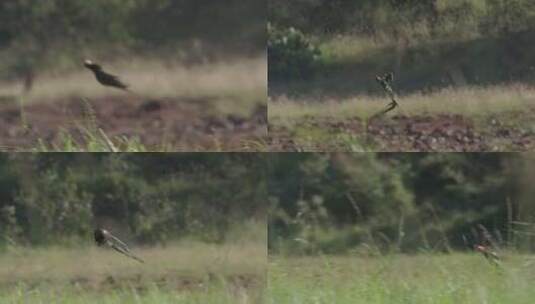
(151, 295)
(341, 124)
(186, 272)
(423, 278)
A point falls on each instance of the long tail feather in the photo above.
(126, 252)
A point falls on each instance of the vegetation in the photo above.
(437, 50)
(193, 57)
(290, 53)
(422, 278)
(155, 198)
(56, 33)
(381, 203)
(197, 220)
(399, 228)
(429, 44)
(185, 272)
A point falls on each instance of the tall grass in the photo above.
(424, 278)
(184, 272)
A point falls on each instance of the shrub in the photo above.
(290, 54)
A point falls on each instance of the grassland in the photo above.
(187, 272)
(215, 106)
(422, 278)
(338, 108)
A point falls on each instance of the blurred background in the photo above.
(198, 220)
(197, 70)
(383, 203)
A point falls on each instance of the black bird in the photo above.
(104, 238)
(105, 78)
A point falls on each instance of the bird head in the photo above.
(100, 236)
(91, 65)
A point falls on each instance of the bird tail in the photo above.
(126, 252)
(121, 247)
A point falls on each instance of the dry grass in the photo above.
(470, 101)
(233, 82)
(93, 264)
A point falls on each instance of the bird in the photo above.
(104, 238)
(104, 78)
(385, 81)
(487, 252)
(486, 244)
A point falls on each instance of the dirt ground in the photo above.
(439, 132)
(182, 124)
(169, 281)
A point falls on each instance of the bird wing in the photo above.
(112, 80)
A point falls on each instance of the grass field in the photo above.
(187, 272)
(496, 118)
(423, 278)
(451, 96)
(215, 106)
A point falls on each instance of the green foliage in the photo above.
(59, 198)
(402, 18)
(57, 33)
(400, 202)
(290, 53)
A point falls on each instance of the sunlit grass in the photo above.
(470, 102)
(423, 278)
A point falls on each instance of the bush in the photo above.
(290, 54)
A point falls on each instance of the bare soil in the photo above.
(184, 124)
(437, 132)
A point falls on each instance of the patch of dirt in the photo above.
(142, 283)
(441, 132)
(184, 125)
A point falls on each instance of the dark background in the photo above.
(401, 202)
(429, 44)
(151, 198)
(58, 34)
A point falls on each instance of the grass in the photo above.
(236, 83)
(234, 87)
(423, 278)
(187, 272)
(341, 124)
(469, 101)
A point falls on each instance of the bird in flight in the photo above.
(486, 244)
(104, 238)
(487, 252)
(104, 78)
